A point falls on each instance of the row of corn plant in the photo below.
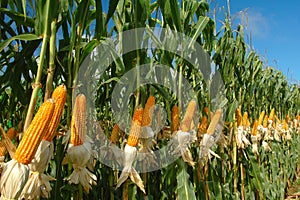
(252, 155)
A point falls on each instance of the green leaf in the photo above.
(18, 17)
(111, 9)
(26, 37)
(185, 188)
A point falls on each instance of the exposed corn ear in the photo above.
(10, 134)
(287, 118)
(254, 129)
(206, 110)
(148, 111)
(245, 120)
(238, 116)
(203, 125)
(214, 122)
(188, 116)
(261, 117)
(285, 125)
(34, 133)
(265, 122)
(59, 95)
(134, 133)
(272, 113)
(175, 119)
(78, 122)
(115, 136)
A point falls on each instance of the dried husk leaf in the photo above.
(80, 156)
(13, 179)
(38, 184)
(128, 170)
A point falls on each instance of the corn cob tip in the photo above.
(214, 122)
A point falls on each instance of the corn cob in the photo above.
(115, 136)
(285, 125)
(206, 110)
(261, 118)
(134, 133)
(245, 120)
(34, 133)
(78, 121)
(265, 122)
(175, 119)
(188, 117)
(203, 125)
(214, 122)
(271, 117)
(254, 129)
(148, 111)
(59, 95)
(10, 134)
(287, 118)
(238, 115)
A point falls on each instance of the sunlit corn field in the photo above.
(243, 144)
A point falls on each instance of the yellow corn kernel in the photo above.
(188, 116)
(287, 118)
(115, 136)
(59, 95)
(10, 134)
(271, 117)
(34, 133)
(148, 111)
(175, 119)
(261, 117)
(285, 125)
(78, 121)
(214, 122)
(133, 138)
(245, 119)
(265, 123)
(206, 110)
(254, 129)
(238, 116)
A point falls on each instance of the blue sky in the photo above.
(275, 27)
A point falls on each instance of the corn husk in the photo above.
(147, 143)
(183, 141)
(38, 184)
(205, 147)
(241, 139)
(80, 157)
(13, 179)
(266, 146)
(128, 170)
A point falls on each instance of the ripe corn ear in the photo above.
(254, 129)
(148, 111)
(175, 119)
(134, 133)
(59, 95)
(115, 136)
(271, 117)
(78, 121)
(188, 117)
(265, 122)
(261, 117)
(214, 122)
(10, 134)
(34, 133)
(238, 115)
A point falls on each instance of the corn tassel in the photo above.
(59, 95)
(34, 133)
(78, 122)
(188, 117)
(134, 133)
